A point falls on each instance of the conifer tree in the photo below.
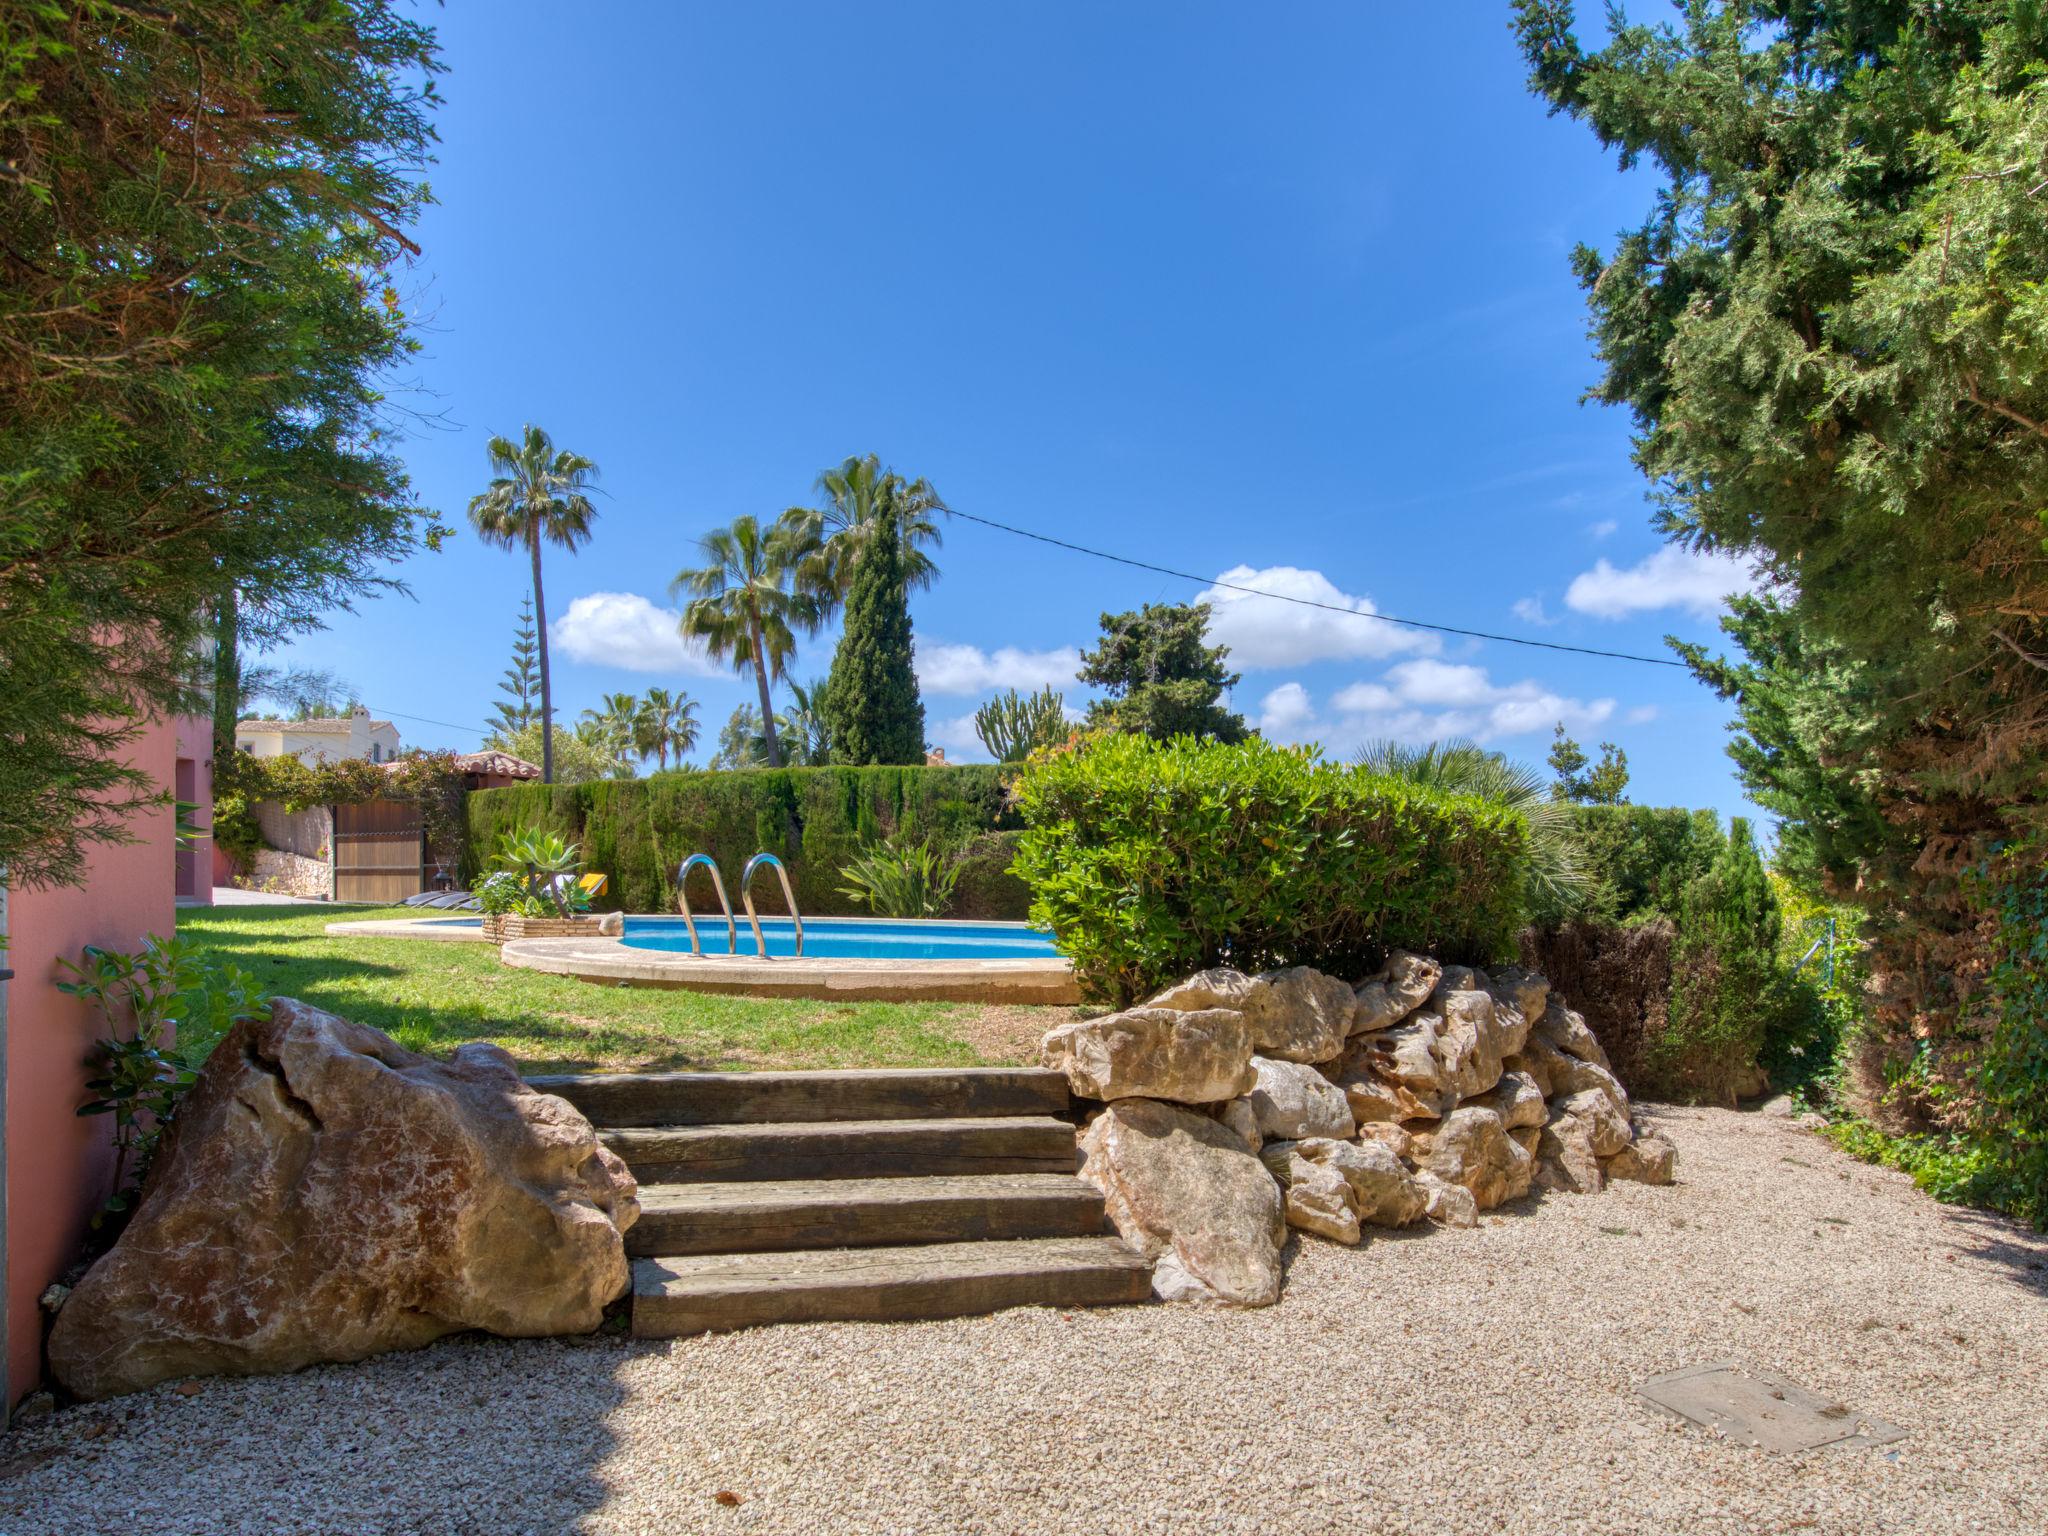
(521, 705)
(872, 709)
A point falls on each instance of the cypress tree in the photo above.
(872, 708)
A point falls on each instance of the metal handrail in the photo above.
(732, 929)
(788, 897)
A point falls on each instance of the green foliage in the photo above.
(755, 592)
(860, 498)
(898, 877)
(1637, 860)
(872, 710)
(1832, 334)
(539, 494)
(191, 345)
(578, 758)
(521, 705)
(803, 729)
(1605, 783)
(741, 741)
(2009, 1114)
(429, 779)
(1013, 725)
(1556, 881)
(666, 722)
(1727, 986)
(1151, 860)
(165, 1010)
(817, 820)
(546, 867)
(1162, 679)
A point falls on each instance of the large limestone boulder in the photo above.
(1199, 1056)
(1541, 1060)
(1565, 1159)
(1649, 1159)
(1384, 1193)
(1295, 1014)
(1516, 1099)
(1472, 1148)
(1374, 1097)
(325, 1195)
(1578, 1076)
(1569, 1033)
(1470, 1041)
(1316, 1197)
(1242, 1121)
(1608, 1126)
(1450, 1205)
(1183, 1190)
(1526, 992)
(1402, 986)
(1291, 1100)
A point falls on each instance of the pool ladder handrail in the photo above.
(732, 929)
(788, 898)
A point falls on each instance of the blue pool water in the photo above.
(839, 938)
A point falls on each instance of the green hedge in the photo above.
(1639, 859)
(1151, 860)
(815, 819)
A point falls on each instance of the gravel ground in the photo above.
(1445, 1382)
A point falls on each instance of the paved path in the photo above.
(1480, 1381)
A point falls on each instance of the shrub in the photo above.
(899, 878)
(1150, 860)
(817, 820)
(1618, 976)
(2009, 1118)
(1637, 860)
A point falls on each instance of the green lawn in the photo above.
(433, 996)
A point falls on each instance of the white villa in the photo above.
(321, 741)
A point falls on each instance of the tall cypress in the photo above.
(871, 701)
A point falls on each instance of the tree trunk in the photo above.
(547, 705)
(767, 708)
(227, 675)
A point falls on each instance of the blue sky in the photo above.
(1278, 291)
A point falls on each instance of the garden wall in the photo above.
(815, 819)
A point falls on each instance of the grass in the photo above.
(431, 997)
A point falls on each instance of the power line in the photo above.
(400, 714)
(1309, 602)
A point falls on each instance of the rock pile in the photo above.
(1235, 1106)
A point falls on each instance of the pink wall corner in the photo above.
(197, 867)
(58, 1164)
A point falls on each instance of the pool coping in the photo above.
(1040, 982)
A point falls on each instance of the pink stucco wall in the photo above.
(58, 1164)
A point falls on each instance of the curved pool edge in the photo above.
(1037, 982)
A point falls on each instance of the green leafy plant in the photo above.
(166, 1010)
(1149, 860)
(546, 867)
(901, 878)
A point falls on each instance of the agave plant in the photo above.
(548, 866)
(899, 878)
(1463, 767)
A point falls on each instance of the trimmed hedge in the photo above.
(815, 819)
(1152, 860)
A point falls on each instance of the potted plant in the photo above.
(536, 893)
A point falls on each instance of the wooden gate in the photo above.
(379, 852)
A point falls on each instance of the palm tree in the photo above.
(537, 495)
(857, 497)
(616, 723)
(810, 744)
(1463, 767)
(747, 604)
(667, 723)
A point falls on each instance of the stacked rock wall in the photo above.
(1235, 1106)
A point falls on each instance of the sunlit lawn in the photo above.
(432, 997)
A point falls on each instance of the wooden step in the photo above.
(846, 1149)
(711, 1293)
(783, 1214)
(623, 1099)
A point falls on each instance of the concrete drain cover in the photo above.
(1763, 1409)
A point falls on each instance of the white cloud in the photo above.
(1263, 633)
(1642, 714)
(969, 669)
(957, 737)
(1427, 700)
(623, 629)
(1604, 529)
(1285, 708)
(1530, 611)
(1671, 578)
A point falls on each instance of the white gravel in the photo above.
(1443, 1381)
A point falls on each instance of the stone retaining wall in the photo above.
(289, 874)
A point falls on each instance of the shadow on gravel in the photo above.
(2002, 1242)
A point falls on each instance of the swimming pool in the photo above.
(849, 938)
